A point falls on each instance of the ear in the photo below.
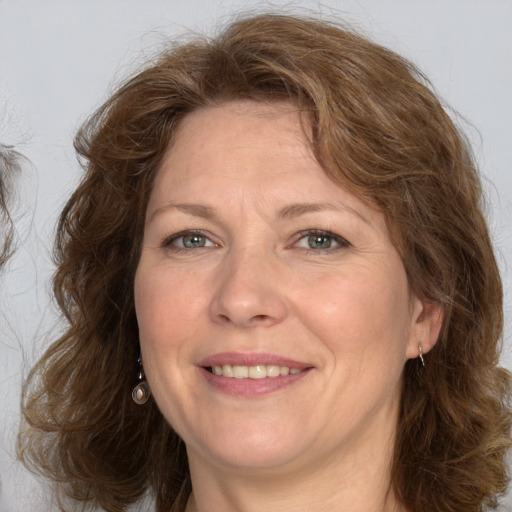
(427, 320)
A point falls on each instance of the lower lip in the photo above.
(251, 387)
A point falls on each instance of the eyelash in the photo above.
(169, 242)
(342, 243)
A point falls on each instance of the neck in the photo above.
(357, 483)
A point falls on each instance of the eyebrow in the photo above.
(298, 209)
(197, 210)
(287, 212)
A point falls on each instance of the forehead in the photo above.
(256, 155)
(242, 126)
(246, 157)
(243, 140)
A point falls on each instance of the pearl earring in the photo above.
(141, 392)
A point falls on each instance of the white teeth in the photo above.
(259, 371)
(273, 370)
(240, 372)
(227, 370)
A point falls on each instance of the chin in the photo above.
(252, 449)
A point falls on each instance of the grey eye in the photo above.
(192, 241)
(319, 241)
(187, 240)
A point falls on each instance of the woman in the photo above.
(280, 230)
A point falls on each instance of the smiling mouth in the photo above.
(260, 371)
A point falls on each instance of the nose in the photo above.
(249, 292)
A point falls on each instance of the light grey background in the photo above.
(60, 59)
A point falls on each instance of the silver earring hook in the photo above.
(421, 355)
(141, 392)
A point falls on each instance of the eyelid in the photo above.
(167, 242)
(342, 242)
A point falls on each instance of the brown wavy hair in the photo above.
(9, 168)
(379, 130)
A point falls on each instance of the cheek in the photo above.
(357, 312)
(167, 310)
(168, 324)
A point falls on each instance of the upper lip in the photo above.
(250, 359)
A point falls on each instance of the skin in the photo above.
(257, 280)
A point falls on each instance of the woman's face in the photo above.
(274, 312)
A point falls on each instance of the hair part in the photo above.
(377, 129)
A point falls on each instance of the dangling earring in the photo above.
(141, 392)
(421, 355)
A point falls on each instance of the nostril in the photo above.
(244, 307)
(256, 319)
(224, 318)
